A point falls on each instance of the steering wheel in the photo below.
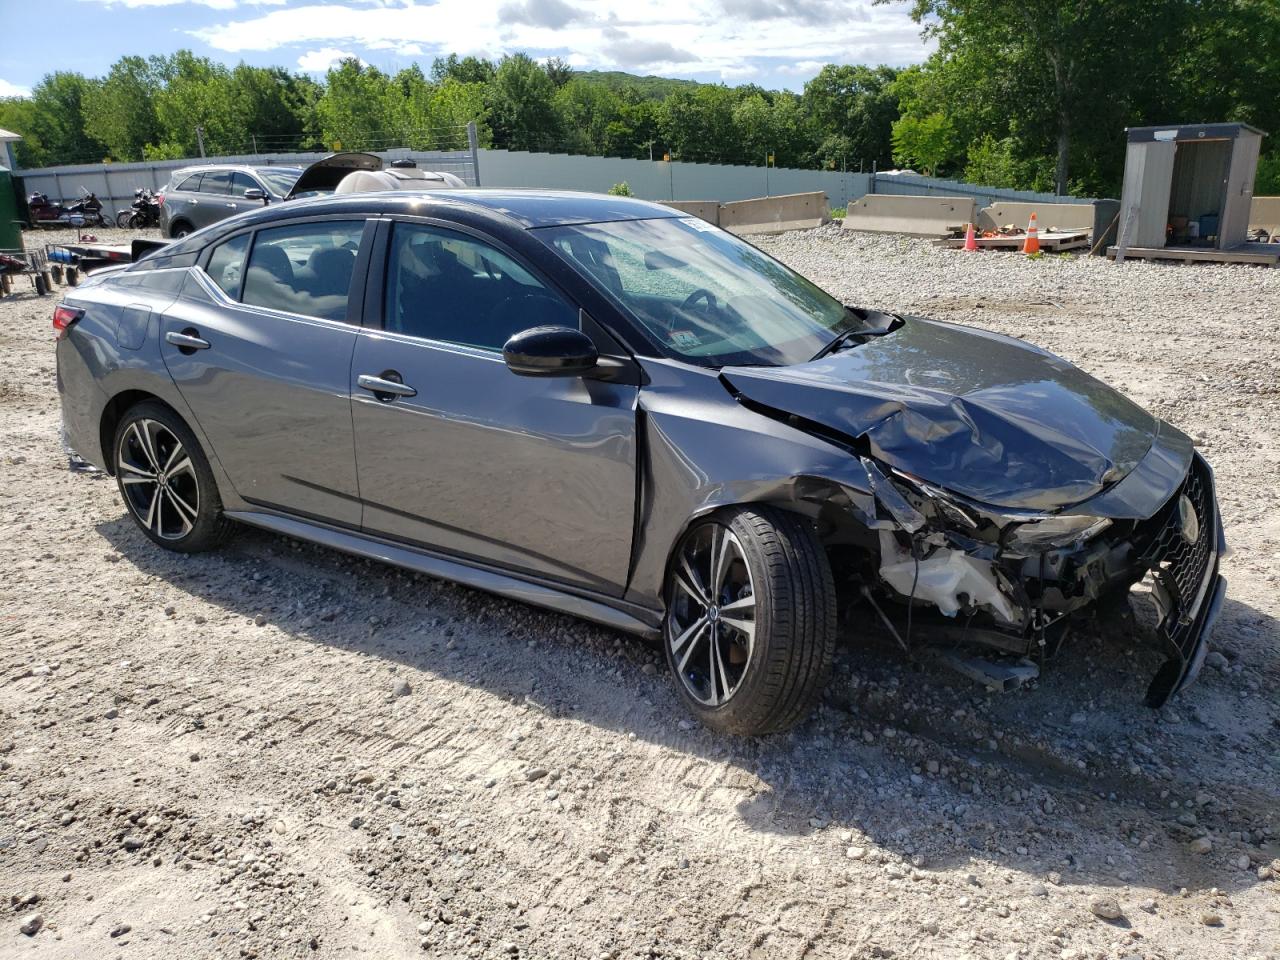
(702, 293)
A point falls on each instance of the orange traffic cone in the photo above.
(970, 241)
(1032, 243)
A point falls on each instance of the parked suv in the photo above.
(198, 196)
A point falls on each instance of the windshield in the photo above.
(702, 293)
(279, 180)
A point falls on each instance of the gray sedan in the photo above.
(602, 406)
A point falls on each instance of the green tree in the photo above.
(558, 70)
(353, 113)
(925, 142)
(1047, 63)
(698, 125)
(521, 102)
(464, 70)
(586, 112)
(57, 119)
(853, 108)
(121, 110)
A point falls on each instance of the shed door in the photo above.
(1233, 229)
(1148, 178)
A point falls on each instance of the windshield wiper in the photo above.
(886, 323)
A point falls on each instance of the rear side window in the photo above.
(226, 265)
(217, 181)
(191, 183)
(304, 268)
(451, 287)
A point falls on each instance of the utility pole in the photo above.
(200, 138)
(473, 145)
(254, 138)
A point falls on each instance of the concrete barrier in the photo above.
(915, 216)
(796, 211)
(708, 210)
(1265, 212)
(1049, 216)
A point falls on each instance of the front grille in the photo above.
(1181, 567)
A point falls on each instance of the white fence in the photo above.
(114, 183)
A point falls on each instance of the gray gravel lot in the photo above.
(279, 751)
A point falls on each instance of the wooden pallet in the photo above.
(1260, 254)
(1050, 242)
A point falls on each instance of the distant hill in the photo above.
(653, 88)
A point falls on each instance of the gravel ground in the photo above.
(279, 751)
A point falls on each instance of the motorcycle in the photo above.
(48, 213)
(145, 211)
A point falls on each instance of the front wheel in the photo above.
(124, 219)
(751, 619)
(165, 480)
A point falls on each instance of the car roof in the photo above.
(528, 208)
(243, 167)
(518, 209)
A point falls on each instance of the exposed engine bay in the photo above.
(1011, 580)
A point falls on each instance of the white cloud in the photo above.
(721, 38)
(8, 89)
(318, 61)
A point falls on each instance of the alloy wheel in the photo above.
(711, 619)
(159, 479)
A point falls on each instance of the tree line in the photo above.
(1017, 94)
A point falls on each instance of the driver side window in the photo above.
(448, 286)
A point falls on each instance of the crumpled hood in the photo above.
(986, 416)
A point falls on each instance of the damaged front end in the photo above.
(1013, 579)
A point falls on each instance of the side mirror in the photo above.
(550, 352)
(254, 193)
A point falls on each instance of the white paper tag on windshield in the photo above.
(697, 223)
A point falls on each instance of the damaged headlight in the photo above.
(1042, 534)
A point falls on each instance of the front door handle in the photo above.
(186, 341)
(384, 387)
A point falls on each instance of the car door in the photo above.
(215, 199)
(260, 347)
(461, 455)
(237, 202)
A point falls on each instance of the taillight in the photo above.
(63, 318)
(160, 199)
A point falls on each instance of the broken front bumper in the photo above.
(1187, 588)
(1022, 598)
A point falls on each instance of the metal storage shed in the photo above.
(1187, 193)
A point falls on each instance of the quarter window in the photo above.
(305, 268)
(191, 184)
(447, 286)
(226, 265)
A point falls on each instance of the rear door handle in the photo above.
(186, 341)
(383, 387)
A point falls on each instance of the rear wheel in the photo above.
(751, 620)
(179, 229)
(124, 219)
(165, 480)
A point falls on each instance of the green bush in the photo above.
(837, 213)
(622, 189)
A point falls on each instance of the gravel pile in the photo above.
(280, 751)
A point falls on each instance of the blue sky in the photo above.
(775, 43)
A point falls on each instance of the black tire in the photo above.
(770, 674)
(124, 219)
(179, 229)
(188, 517)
